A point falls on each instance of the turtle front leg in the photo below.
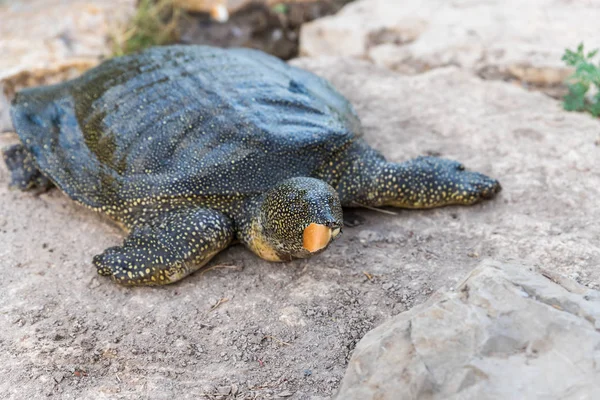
(424, 182)
(171, 247)
(23, 171)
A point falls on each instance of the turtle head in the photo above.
(295, 219)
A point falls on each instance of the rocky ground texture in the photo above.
(506, 332)
(249, 329)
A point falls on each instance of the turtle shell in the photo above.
(183, 121)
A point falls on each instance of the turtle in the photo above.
(192, 148)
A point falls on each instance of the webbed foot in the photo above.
(171, 247)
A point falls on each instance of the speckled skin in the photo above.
(192, 147)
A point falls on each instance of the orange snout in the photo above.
(316, 237)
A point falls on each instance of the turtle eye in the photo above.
(460, 167)
(336, 232)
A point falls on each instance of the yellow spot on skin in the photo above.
(316, 237)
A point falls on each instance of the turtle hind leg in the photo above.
(169, 248)
(24, 172)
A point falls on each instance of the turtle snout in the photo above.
(481, 186)
(493, 187)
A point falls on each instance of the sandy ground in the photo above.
(279, 327)
(250, 329)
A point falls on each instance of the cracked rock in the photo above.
(506, 332)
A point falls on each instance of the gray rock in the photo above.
(496, 38)
(506, 332)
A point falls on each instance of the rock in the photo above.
(285, 393)
(506, 332)
(496, 39)
(48, 41)
(58, 377)
(224, 390)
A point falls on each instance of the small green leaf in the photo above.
(594, 105)
(575, 99)
(586, 74)
(593, 108)
(280, 8)
(569, 57)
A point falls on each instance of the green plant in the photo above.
(586, 76)
(280, 8)
(154, 24)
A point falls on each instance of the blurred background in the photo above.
(46, 41)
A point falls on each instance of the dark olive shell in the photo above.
(183, 121)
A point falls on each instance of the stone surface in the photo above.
(265, 328)
(48, 41)
(494, 38)
(506, 332)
